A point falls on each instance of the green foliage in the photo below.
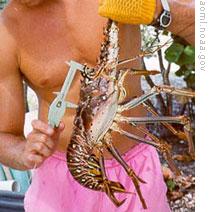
(171, 184)
(173, 53)
(184, 56)
(180, 54)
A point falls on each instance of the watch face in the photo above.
(165, 19)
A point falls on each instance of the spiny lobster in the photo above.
(99, 111)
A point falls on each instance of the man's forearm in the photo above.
(11, 150)
(183, 18)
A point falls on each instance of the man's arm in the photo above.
(16, 151)
(11, 103)
(183, 18)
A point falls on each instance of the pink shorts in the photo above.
(54, 190)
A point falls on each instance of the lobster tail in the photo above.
(84, 165)
(87, 169)
(111, 187)
(117, 187)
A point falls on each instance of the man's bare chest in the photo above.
(45, 43)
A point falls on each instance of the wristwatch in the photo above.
(164, 19)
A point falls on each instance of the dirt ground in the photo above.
(181, 190)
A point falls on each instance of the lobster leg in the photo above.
(124, 73)
(163, 147)
(134, 71)
(110, 187)
(186, 135)
(146, 120)
(179, 133)
(188, 132)
(143, 54)
(153, 92)
(163, 120)
(129, 170)
(157, 145)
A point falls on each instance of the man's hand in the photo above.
(40, 143)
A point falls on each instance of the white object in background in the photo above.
(29, 117)
(10, 185)
(33, 110)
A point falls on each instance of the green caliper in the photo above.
(59, 105)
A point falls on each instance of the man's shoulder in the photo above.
(10, 20)
(9, 17)
(12, 11)
(8, 23)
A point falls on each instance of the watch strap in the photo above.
(164, 19)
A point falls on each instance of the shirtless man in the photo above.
(37, 37)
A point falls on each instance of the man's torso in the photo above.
(57, 31)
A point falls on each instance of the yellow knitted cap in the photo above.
(128, 11)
